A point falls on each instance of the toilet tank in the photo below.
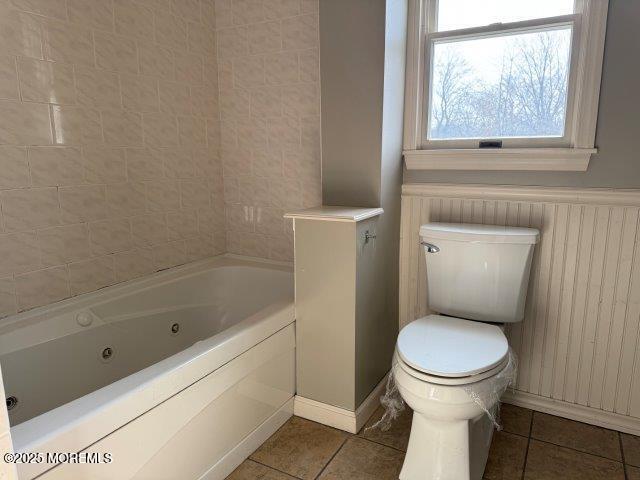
(478, 272)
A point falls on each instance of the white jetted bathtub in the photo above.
(179, 375)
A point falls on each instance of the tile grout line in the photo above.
(270, 467)
(576, 450)
(404, 452)
(526, 453)
(624, 464)
(333, 456)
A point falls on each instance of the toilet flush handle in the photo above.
(430, 247)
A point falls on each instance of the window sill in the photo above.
(534, 159)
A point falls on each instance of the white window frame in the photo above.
(569, 153)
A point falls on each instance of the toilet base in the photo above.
(447, 450)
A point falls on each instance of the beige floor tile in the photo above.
(360, 459)
(300, 448)
(633, 473)
(550, 462)
(576, 435)
(506, 457)
(631, 447)
(515, 419)
(398, 434)
(250, 470)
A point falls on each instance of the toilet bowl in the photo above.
(451, 433)
(451, 368)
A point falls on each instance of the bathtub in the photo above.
(178, 375)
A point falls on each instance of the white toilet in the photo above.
(475, 274)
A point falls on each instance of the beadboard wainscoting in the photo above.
(578, 346)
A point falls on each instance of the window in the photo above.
(503, 84)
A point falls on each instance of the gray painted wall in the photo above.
(617, 163)
(362, 61)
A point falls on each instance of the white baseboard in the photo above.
(580, 413)
(227, 464)
(337, 417)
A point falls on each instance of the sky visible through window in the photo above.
(500, 86)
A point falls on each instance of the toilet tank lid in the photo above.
(470, 232)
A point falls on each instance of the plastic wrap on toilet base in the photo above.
(392, 403)
(485, 394)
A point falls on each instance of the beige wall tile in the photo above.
(30, 209)
(83, 203)
(90, 275)
(110, 236)
(156, 60)
(91, 13)
(247, 11)
(240, 218)
(300, 32)
(19, 253)
(8, 304)
(211, 221)
(49, 8)
(8, 78)
(160, 129)
(116, 53)
(248, 244)
(266, 102)
(60, 245)
(149, 229)
(267, 162)
(169, 255)
(187, 9)
(24, 123)
(281, 68)
(301, 100)
(309, 6)
(201, 39)
(144, 164)
(42, 287)
(200, 247)
(189, 69)
(125, 199)
(122, 127)
(97, 88)
(53, 166)
(284, 132)
(134, 263)
(183, 224)
(133, 19)
(235, 103)
(310, 66)
(232, 42)
(177, 162)
(14, 167)
(139, 93)
(163, 196)
(207, 8)
(174, 98)
(223, 13)
(192, 132)
(276, 9)
(281, 248)
(204, 101)
(171, 31)
(20, 33)
(67, 43)
(266, 37)
(269, 221)
(194, 194)
(104, 164)
(249, 72)
(48, 82)
(75, 125)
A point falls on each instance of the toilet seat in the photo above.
(451, 351)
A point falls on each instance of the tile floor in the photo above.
(532, 446)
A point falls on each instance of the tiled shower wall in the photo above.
(270, 110)
(109, 143)
(111, 163)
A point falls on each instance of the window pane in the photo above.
(500, 86)
(455, 14)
